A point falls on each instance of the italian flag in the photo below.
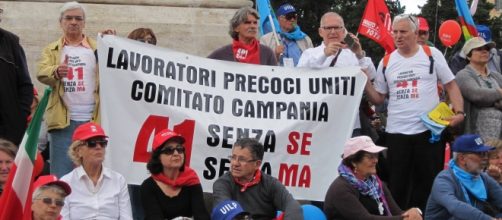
(15, 202)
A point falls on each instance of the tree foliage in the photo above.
(310, 13)
(446, 10)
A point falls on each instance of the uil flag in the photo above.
(466, 21)
(15, 202)
(266, 12)
(377, 24)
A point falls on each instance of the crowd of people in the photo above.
(407, 83)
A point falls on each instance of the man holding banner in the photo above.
(245, 48)
(259, 193)
(409, 76)
(292, 40)
(335, 52)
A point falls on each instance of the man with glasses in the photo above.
(69, 67)
(410, 80)
(259, 194)
(292, 40)
(16, 89)
(464, 191)
(334, 51)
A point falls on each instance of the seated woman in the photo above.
(98, 192)
(494, 168)
(173, 190)
(48, 197)
(144, 35)
(7, 154)
(482, 91)
(358, 193)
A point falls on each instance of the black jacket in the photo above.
(16, 89)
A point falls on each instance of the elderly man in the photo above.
(335, 52)
(69, 67)
(16, 89)
(409, 76)
(292, 40)
(245, 48)
(48, 197)
(464, 191)
(258, 193)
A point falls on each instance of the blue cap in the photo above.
(470, 143)
(285, 9)
(227, 210)
(484, 32)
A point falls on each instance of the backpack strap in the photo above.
(385, 62)
(428, 51)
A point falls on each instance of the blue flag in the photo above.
(264, 10)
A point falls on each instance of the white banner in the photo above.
(302, 116)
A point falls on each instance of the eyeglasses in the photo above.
(423, 32)
(148, 41)
(480, 154)
(483, 48)
(371, 156)
(50, 201)
(412, 21)
(291, 16)
(170, 150)
(240, 159)
(332, 28)
(94, 143)
(77, 18)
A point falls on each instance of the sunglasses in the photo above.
(170, 150)
(50, 201)
(291, 16)
(69, 18)
(94, 143)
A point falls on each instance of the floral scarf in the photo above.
(371, 186)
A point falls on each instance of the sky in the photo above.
(411, 5)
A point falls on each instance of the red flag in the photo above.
(377, 24)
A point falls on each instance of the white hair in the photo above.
(51, 187)
(412, 20)
(70, 6)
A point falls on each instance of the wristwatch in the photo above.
(460, 113)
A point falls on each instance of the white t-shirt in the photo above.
(80, 83)
(315, 58)
(412, 89)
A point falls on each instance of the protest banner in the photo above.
(302, 116)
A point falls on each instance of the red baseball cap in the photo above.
(51, 180)
(165, 135)
(88, 130)
(422, 24)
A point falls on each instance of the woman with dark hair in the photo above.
(358, 193)
(173, 190)
(144, 35)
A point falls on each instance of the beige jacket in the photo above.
(57, 115)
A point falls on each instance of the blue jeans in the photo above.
(60, 141)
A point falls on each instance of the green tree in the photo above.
(310, 13)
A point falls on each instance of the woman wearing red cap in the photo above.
(99, 193)
(173, 190)
(48, 197)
